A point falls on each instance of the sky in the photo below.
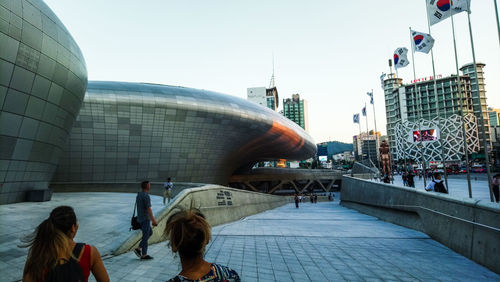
(330, 52)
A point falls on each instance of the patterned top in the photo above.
(217, 273)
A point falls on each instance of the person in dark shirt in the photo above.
(410, 178)
(145, 218)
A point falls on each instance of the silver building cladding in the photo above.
(128, 132)
(43, 78)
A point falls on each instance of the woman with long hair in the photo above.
(51, 244)
(189, 233)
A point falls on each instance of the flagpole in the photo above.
(437, 102)
(498, 23)
(464, 139)
(481, 119)
(367, 136)
(375, 122)
(420, 146)
(404, 151)
(360, 141)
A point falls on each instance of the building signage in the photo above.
(427, 78)
(224, 198)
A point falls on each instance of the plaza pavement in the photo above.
(103, 218)
(458, 185)
(317, 242)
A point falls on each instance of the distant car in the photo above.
(463, 169)
(478, 169)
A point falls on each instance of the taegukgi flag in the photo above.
(355, 118)
(401, 58)
(422, 42)
(442, 9)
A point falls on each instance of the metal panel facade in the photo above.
(128, 132)
(43, 78)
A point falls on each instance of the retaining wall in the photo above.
(468, 226)
(218, 203)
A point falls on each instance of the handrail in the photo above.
(440, 213)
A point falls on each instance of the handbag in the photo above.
(134, 224)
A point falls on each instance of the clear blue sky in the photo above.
(331, 52)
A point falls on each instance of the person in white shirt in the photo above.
(437, 185)
(168, 190)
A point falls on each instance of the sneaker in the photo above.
(147, 257)
(137, 252)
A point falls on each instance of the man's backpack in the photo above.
(70, 271)
(439, 187)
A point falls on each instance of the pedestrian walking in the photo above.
(296, 201)
(189, 233)
(404, 176)
(145, 218)
(494, 185)
(168, 186)
(410, 177)
(53, 253)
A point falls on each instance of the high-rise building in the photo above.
(366, 147)
(267, 97)
(295, 109)
(494, 117)
(405, 102)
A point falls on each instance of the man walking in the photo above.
(168, 186)
(144, 217)
(410, 178)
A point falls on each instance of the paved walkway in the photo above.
(103, 218)
(317, 242)
(458, 186)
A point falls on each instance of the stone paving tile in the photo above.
(103, 218)
(458, 186)
(317, 242)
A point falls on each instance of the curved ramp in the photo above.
(218, 203)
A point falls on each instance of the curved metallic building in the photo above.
(128, 132)
(42, 83)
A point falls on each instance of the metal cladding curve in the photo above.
(43, 78)
(128, 132)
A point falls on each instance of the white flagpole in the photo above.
(498, 22)
(464, 139)
(367, 135)
(359, 139)
(404, 150)
(375, 122)
(481, 119)
(437, 103)
(420, 108)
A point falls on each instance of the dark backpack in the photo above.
(70, 271)
(439, 187)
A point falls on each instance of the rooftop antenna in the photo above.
(271, 83)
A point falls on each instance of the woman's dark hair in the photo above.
(188, 232)
(49, 242)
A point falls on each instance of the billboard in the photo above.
(424, 135)
(323, 158)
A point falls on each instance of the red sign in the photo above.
(427, 78)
